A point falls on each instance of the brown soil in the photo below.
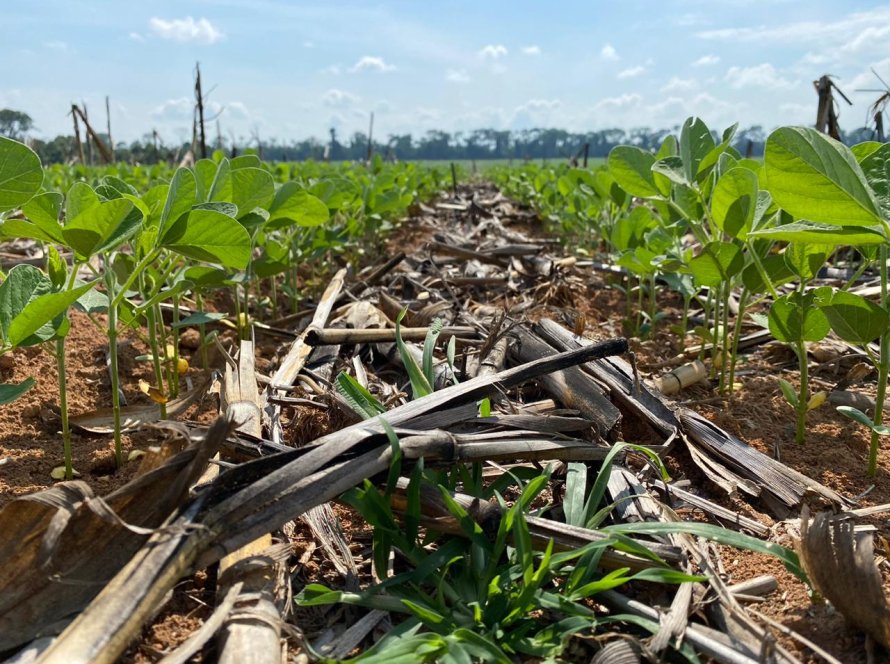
(835, 452)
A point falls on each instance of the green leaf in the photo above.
(856, 415)
(101, 227)
(789, 393)
(815, 177)
(40, 311)
(365, 404)
(198, 318)
(734, 202)
(23, 283)
(695, 144)
(209, 236)
(671, 168)
(56, 267)
(809, 232)
(854, 318)
(806, 259)
(863, 150)
(420, 386)
(80, 198)
(293, 203)
(181, 197)
(717, 263)
(876, 167)
(43, 211)
(9, 392)
(21, 174)
(632, 169)
(795, 317)
(252, 188)
(777, 271)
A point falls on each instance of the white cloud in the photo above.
(135, 36)
(333, 70)
(531, 50)
(706, 60)
(631, 72)
(759, 76)
(621, 101)
(56, 45)
(185, 29)
(457, 76)
(335, 97)
(608, 52)
(539, 105)
(493, 51)
(371, 63)
(237, 109)
(174, 109)
(854, 32)
(677, 84)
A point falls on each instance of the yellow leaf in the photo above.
(153, 393)
(58, 473)
(135, 454)
(817, 400)
(182, 366)
(170, 351)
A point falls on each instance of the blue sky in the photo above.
(294, 69)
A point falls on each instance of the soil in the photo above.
(835, 452)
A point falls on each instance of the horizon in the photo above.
(291, 71)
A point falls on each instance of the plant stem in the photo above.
(63, 389)
(736, 333)
(63, 406)
(883, 370)
(724, 340)
(803, 397)
(175, 342)
(136, 273)
(155, 354)
(202, 331)
(652, 305)
(112, 352)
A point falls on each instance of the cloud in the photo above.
(56, 45)
(308, 44)
(333, 70)
(457, 76)
(854, 32)
(677, 84)
(706, 60)
(759, 76)
(237, 109)
(338, 98)
(135, 36)
(493, 51)
(621, 101)
(539, 105)
(631, 72)
(185, 29)
(371, 63)
(608, 52)
(531, 50)
(174, 109)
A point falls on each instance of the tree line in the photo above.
(480, 144)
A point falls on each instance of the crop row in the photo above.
(123, 241)
(714, 226)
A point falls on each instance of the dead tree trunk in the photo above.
(199, 101)
(826, 114)
(77, 133)
(108, 126)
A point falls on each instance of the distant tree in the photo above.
(14, 124)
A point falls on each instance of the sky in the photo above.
(292, 70)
